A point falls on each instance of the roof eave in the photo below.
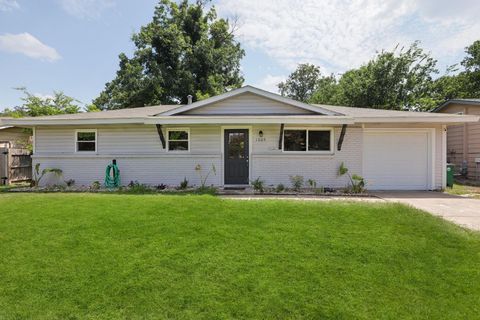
(444, 119)
(455, 101)
(250, 120)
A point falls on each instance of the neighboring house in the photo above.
(13, 137)
(248, 133)
(463, 140)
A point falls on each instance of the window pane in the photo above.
(86, 136)
(85, 146)
(295, 140)
(177, 135)
(236, 145)
(178, 145)
(318, 140)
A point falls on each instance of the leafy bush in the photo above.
(297, 182)
(95, 185)
(258, 185)
(206, 190)
(137, 187)
(319, 190)
(37, 175)
(357, 183)
(161, 186)
(312, 183)
(280, 188)
(184, 184)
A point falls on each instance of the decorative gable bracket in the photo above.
(342, 136)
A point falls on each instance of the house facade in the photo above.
(245, 134)
(463, 140)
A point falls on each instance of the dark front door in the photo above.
(236, 156)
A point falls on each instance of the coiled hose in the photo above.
(112, 176)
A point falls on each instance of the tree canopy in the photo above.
(401, 79)
(184, 50)
(36, 106)
(302, 83)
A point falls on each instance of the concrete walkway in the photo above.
(462, 211)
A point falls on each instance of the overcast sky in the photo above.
(73, 45)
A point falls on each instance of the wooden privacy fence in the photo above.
(15, 165)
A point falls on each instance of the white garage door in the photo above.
(396, 160)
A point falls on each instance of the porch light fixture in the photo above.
(260, 133)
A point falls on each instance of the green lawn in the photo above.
(98, 256)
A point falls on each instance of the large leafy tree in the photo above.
(35, 106)
(301, 83)
(460, 81)
(184, 50)
(398, 79)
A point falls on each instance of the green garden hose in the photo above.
(112, 176)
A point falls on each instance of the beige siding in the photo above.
(248, 103)
(463, 141)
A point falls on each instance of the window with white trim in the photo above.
(178, 140)
(308, 140)
(86, 141)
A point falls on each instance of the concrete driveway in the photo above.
(460, 210)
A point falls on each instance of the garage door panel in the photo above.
(396, 160)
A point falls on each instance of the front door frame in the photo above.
(222, 145)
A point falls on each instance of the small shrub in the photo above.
(137, 187)
(297, 182)
(258, 185)
(357, 183)
(95, 185)
(312, 183)
(279, 188)
(184, 184)
(70, 182)
(206, 190)
(38, 175)
(161, 186)
(319, 190)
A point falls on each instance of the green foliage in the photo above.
(183, 184)
(37, 175)
(206, 190)
(204, 176)
(297, 182)
(312, 183)
(70, 182)
(402, 80)
(302, 83)
(279, 188)
(357, 183)
(95, 186)
(185, 49)
(36, 106)
(258, 185)
(136, 187)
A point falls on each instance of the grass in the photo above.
(98, 256)
(464, 190)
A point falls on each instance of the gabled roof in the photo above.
(253, 90)
(174, 114)
(475, 102)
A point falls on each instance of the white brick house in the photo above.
(248, 133)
